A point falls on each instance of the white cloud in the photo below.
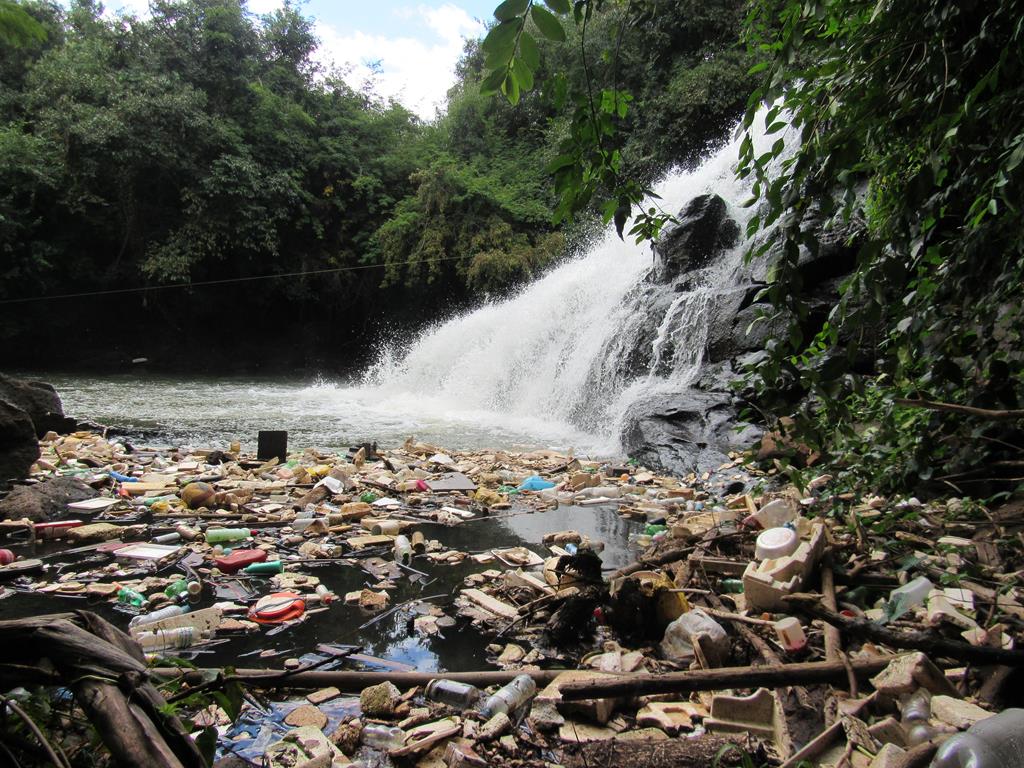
(261, 7)
(415, 71)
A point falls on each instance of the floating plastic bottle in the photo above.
(916, 710)
(403, 550)
(268, 567)
(131, 597)
(182, 587)
(216, 535)
(383, 736)
(170, 612)
(511, 697)
(453, 693)
(995, 742)
(169, 639)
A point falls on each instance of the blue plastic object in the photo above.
(122, 478)
(535, 483)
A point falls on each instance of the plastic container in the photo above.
(775, 543)
(169, 639)
(652, 529)
(678, 640)
(916, 709)
(380, 736)
(386, 528)
(216, 535)
(791, 634)
(909, 596)
(453, 693)
(995, 742)
(239, 559)
(188, 534)
(510, 697)
(268, 567)
(7, 557)
(403, 550)
(773, 514)
(183, 587)
(131, 597)
(170, 612)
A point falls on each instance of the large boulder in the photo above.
(45, 500)
(18, 445)
(691, 431)
(703, 231)
(40, 401)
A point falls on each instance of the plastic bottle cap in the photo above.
(776, 542)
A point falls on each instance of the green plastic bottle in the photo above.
(214, 535)
(131, 597)
(267, 567)
(652, 529)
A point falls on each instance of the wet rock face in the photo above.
(691, 431)
(45, 500)
(18, 445)
(704, 231)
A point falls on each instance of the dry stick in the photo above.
(775, 676)
(353, 681)
(985, 413)
(921, 641)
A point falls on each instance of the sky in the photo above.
(416, 42)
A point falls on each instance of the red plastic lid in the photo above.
(278, 608)
(239, 558)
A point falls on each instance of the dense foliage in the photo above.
(910, 124)
(204, 143)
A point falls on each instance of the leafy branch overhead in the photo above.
(589, 159)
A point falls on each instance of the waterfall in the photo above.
(563, 358)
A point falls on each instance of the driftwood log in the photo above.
(105, 670)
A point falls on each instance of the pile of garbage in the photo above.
(798, 625)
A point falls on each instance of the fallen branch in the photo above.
(863, 629)
(967, 410)
(350, 681)
(774, 676)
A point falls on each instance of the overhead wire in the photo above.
(224, 281)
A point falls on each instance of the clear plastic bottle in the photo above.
(510, 697)
(916, 709)
(383, 736)
(170, 612)
(995, 742)
(169, 639)
(453, 693)
(403, 550)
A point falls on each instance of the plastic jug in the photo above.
(678, 640)
(995, 742)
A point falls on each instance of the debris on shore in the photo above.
(796, 625)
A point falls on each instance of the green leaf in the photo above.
(501, 38)
(511, 88)
(529, 51)
(548, 24)
(511, 9)
(558, 6)
(493, 82)
(523, 74)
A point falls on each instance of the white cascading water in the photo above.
(547, 362)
